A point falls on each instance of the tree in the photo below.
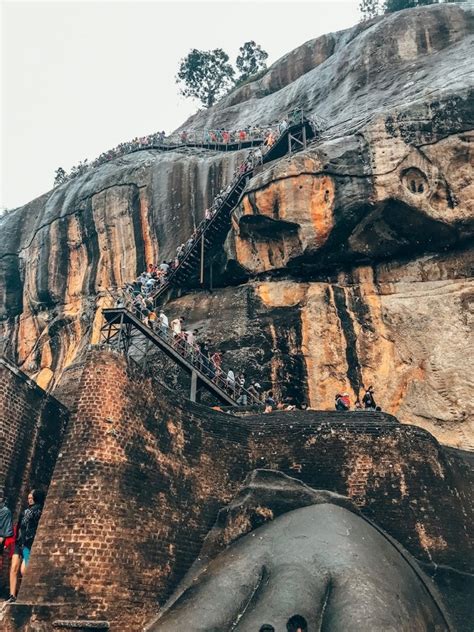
(205, 75)
(251, 60)
(369, 9)
(397, 5)
(59, 176)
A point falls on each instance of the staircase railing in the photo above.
(203, 364)
(256, 157)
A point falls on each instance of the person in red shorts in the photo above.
(25, 535)
(6, 525)
(14, 553)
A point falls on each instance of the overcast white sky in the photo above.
(80, 77)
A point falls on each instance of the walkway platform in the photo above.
(118, 330)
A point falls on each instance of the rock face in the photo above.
(141, 464)
(353, 257)
(315, 563)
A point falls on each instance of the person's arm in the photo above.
(6, 525)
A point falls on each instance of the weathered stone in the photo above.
(142, 475)
(360, 244)
(315, 558)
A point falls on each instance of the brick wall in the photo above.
(142, 475)
(32, 425)
(398, 475)
(134, 493)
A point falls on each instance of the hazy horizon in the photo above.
(78, 78)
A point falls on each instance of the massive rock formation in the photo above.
(352, 257)
(142, 475)
(314, 563)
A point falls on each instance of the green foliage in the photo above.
(251, 60)
(369, 9)
(205, 75)
(397, 5)
(59, 176)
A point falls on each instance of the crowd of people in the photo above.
(254, 134)
(17, 539)
(157, 276)
(258, 135)
(140, 295)
(186, 340)
(342, 401)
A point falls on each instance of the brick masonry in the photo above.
(32, 425)
(143, 473)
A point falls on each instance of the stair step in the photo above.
(80, 624)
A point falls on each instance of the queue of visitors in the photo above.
(139, 296)
(184, 339)
(264, 134)
(161, 275)
(18, 539)
(158, 276)
(342, 401)
(206, 138)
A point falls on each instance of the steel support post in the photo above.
(145, 353)
(202, 259)
(192, 395)
(119, 343)
(127, 338)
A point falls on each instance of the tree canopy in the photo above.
(371, 8)
(205, 75)
(59, 176)
(251, 60)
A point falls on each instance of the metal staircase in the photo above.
(120, 331)
(127, 325)
(212, 233)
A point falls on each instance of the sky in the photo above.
(78, 78)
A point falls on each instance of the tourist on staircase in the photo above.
(216, 360)
(176, 327)
(255, 390)
(164, 266)
(230, 382)
(152, 319)
(368, 399)
(163, 320)
(142, 295)
(205, 357)
(240, 390)
(283, 126)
